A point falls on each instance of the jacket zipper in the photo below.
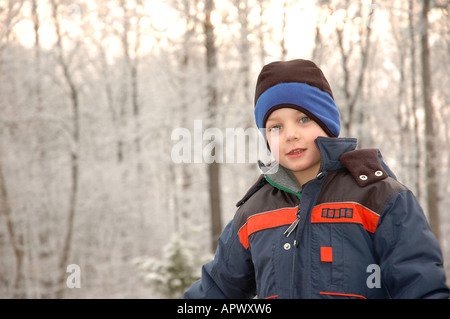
(290, 230)
(294, 225)
(287, 233)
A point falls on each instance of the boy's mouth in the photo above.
(296, 152)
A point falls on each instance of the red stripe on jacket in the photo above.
(271, 219)
(330, 213)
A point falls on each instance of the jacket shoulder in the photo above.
(366, 166)
(260, 182)
(341, 186)
(262, 197)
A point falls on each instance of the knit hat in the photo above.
(297, 84)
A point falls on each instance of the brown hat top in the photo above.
(301, 71)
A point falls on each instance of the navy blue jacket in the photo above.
(352, 232)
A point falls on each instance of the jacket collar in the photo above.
(330, 148)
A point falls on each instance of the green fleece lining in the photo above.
(271, 182)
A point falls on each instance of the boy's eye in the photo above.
(305, 119)
(275, 128)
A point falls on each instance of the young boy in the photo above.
(325, 220)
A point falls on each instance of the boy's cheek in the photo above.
(275, 150)
(274, 142)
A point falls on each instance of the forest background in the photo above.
(92, 204)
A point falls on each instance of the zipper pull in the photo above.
(291, 228)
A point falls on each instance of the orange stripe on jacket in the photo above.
(284, 216)
(344, 295)
(346, 212)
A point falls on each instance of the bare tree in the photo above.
(131, 56)
(432, 187)
(37, 53)
(212, 104)
(283, 31)
(261, 32)
(351, 95)
(403, 111)
(10, 16)
(74, 160)
(353, 37)
(15, 238)
(245, 62)
(413, 98)
(317, 52)
(185, 62)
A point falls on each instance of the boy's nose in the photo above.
(292, 134)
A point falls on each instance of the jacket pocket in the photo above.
(338, 263)
(328, 260)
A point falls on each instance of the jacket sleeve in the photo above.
(229, 275)
(410, 258)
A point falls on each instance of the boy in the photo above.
(325, 220)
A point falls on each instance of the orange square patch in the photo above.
(326, 254)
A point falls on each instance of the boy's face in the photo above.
(291, 136)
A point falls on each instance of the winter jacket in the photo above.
(352, 232)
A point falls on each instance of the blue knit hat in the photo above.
(297, 84)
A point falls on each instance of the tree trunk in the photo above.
(418, 152)
(213, 168)
(352, 97)
(74, 166)
(283, 33)
(432, 188)
(185, 199)
(261, 39)
(16, 240)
